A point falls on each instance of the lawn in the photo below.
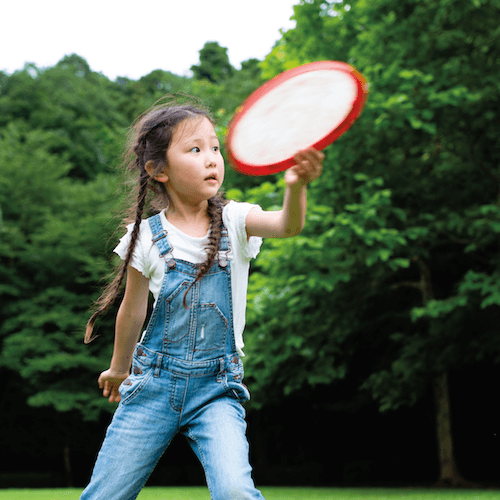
(272, 493)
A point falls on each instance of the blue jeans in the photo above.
(186, 378)
(171, 396)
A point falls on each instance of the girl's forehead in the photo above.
(190, 127)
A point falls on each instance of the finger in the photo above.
(318, 154)
(309, 164)
(314, 156)
(310, 150)
(315, 151)
(303, 166)
(299, 156)
(311, 157)
(315, 162)
(106, 390)
(115, 396)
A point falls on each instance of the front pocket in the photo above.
(234, 381)
(178, 317)
(131, 387)
(211, 328)
(239, 391)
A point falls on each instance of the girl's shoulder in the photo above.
(236, 209)
(234, 218)
(139, 258)
(144, 230)
(234, 214)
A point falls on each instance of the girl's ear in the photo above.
(151, 168)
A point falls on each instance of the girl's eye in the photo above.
(196, 149)
(216, 148)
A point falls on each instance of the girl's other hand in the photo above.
(109, 381)
(309, 167)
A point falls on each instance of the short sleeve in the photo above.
(137, 260)
(234, 218)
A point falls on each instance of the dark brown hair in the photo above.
(148, 140)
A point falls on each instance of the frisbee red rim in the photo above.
(357, 107)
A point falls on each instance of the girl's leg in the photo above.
(217, 436)
(135, 441)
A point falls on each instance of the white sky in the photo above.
(132, 38)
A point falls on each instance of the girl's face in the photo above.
(195, 168)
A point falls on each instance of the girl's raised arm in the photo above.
(290, 220)
(129, 322)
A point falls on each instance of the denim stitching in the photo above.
(175, 378)
(135, 392)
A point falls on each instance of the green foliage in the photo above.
(52, 252)
(77, 105)
(398, 271)
(305, 300)
(62, 131)
(395, 277)
(214, 64)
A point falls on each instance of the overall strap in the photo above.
(224, 247)
(160, 239)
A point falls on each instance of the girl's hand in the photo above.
(309, 167)
(109, 381)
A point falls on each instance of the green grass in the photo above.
(273, 494)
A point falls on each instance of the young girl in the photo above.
(185, 375)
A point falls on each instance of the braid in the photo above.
(147, 143)
(112, 291)
(141, 200)
(214, 210)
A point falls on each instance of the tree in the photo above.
(52, 254)
(80, 106)
(61, 131)
(421, 297)
(138, 96)
(214, 64)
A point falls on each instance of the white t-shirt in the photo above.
(146, 256)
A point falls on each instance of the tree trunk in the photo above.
(449, 474)
(67, 462)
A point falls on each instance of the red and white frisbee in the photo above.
(311, 105)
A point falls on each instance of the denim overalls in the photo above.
(186, 377)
